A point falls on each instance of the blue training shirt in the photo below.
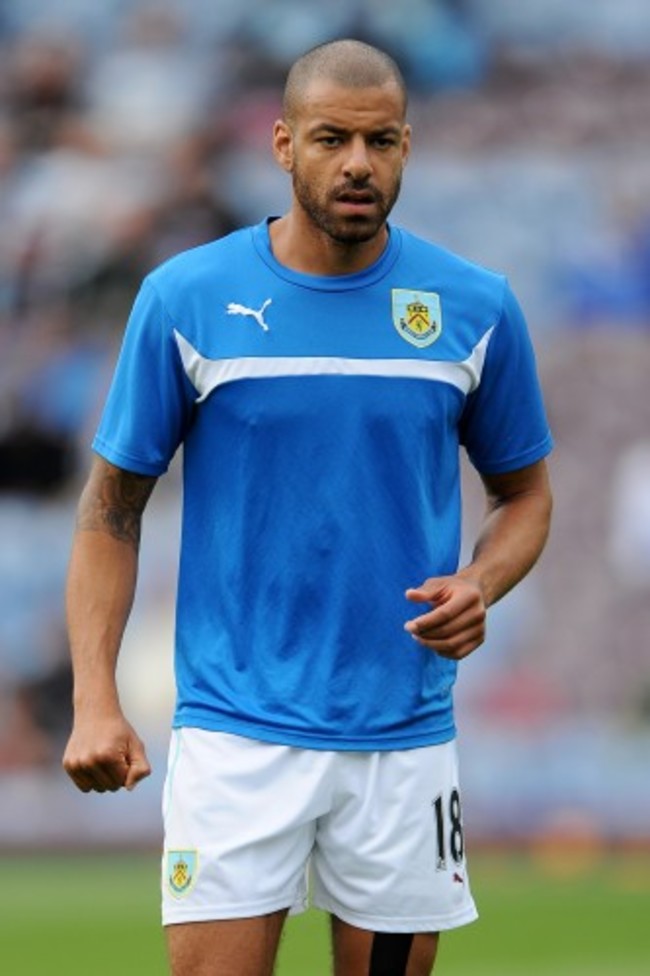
(321, 419)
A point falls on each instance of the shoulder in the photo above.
(201, 265)
(419, 251)
(469, 289)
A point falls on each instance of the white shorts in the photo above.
(381, 833)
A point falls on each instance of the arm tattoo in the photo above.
(113, 502)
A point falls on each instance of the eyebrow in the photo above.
(338, 130)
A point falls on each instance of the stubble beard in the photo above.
(350, 229)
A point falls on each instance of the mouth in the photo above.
(364, 196)
(356, 201)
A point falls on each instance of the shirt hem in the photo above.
(517, 461)
(126, 461)
(329, 743)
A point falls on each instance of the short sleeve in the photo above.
(504, 425)
(150, 400)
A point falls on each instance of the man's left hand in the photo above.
(455, 626)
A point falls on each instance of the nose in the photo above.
(357, 164)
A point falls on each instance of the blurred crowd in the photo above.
(130, 131)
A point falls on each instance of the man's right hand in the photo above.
(105, 754)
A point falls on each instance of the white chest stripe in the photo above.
(206, 375)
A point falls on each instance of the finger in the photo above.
(443, 623)
(439, 617)
(78, 772)
(418, 624)
(112, 776)
(139, 769)
(83, 782)
(427, 593)
(98, 774)
(89, 781)
(417, 596)
(456, 647)
(454, 606)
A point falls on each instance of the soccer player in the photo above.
(321, 371)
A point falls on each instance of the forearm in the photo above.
(100, 591)
(102, 578)
(512, 535)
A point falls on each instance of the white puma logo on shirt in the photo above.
(257, 314)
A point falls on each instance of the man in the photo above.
(320, 371)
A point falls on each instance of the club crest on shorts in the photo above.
(417, 316)
(181, 868)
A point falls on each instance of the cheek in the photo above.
(310, 176)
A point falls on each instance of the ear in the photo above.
(406, 144)
(283, 145)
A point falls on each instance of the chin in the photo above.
(357, 233)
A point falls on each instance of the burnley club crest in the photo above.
(417, 316)
(181, 870)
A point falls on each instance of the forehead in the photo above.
(325, 101)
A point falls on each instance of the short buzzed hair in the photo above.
(350, 63)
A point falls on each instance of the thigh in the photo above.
(381, 954)
(390, 855)
(238, 830)
(237, 947)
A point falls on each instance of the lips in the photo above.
(357, 203)
(356, 196)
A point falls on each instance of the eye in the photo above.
(330, 142)
(383, 142)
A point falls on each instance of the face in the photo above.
(345, 150)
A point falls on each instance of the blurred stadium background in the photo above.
(129, 131)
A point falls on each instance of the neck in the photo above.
(309, 250)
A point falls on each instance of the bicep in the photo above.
(530, 481)
(114, 500)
